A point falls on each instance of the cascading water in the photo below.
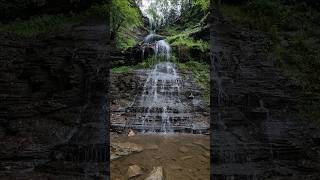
(159, 107)
(160, 100)
(165, 103)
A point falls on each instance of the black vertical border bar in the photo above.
(211, 89)
(214, 9)
(107, 121)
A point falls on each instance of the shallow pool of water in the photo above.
(182, 156)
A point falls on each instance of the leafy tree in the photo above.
(203, 4)
(123, 13)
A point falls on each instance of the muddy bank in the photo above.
(182, 156)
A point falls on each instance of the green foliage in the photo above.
(147, 64)
(183, 38)
(124, 18)
(203, 4)
(124, 40)
(124, 14)
(40, 24)
(122, 69)
(189, 42)
(200, 73)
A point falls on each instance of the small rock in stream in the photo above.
(190, 145)
(134, 171)
(176, 167)
(203, 159)
(123, 149)
(157, 157)
(183, 149)
(131, 133)
(156, 174)
(186, 157)
(201, 144)
(206, 154)
(152, 147)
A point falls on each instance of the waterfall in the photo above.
(159, 107)
(160, 102)
(160, 97)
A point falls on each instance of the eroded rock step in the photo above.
(157, 127)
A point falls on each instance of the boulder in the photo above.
(183, 149)
(134, 171)
(131, 133)
(156, 174)
(152, 147)
(123, 149)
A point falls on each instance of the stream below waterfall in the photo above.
(182, 156)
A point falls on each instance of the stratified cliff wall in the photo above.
(23, 9)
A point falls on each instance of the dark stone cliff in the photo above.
(54, 105)
(255, 131)
(23, 9)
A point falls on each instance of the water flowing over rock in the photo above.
(152, 38)
(163, 103)
(160, 97)
(167, 102)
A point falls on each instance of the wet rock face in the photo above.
(126, 96)
(255, 133)
(53, 101)
(124, 86)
